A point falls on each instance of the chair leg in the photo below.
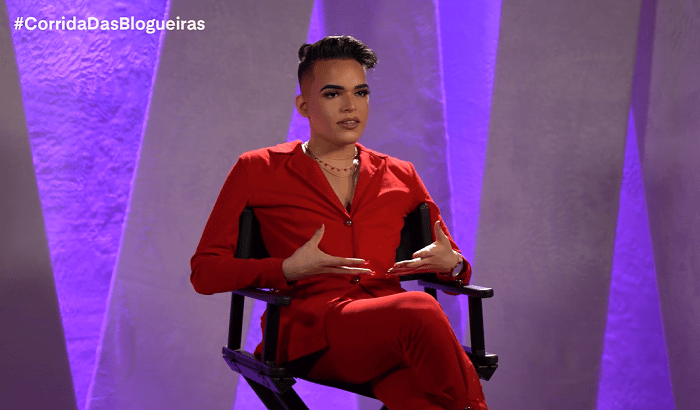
(289, 400)
(292, 400)
(266, 396)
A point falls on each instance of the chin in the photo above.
(340, 138)
(345, 138)
(351, 140)
(352, 137)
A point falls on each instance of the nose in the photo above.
(349, 104)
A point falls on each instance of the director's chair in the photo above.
(273, 382)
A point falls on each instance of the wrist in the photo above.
(287, 270)
(458, 267)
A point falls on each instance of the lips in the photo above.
(349, 123)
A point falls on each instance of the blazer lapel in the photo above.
(369, 164)
(310, 173)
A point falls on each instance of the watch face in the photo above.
(458, 268)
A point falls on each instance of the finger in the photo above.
(423, 253)
(347, 270)
(412, 263)
(403, 271)
(318, 235)
(399, 270)
(405, 266)
(339, 261)
(352, 262)
(411, 269)
(402, 264)
(439, 233)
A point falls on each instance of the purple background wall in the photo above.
(34, 368)
(537, 211)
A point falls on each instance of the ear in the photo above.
(302, 106)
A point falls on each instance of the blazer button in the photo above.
(348, 222)
(354, 280)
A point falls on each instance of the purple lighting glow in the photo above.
(468, 38)
(85, 95)
(634, 369)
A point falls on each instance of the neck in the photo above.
(323, 149)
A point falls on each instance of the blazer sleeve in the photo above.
(422, 195)
(214, 268)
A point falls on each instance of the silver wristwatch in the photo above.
(458, 268)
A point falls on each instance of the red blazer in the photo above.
(292, 198)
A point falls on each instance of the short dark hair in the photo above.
(331, 48)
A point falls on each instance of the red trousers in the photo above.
(404, 346)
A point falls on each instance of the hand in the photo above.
(436, 257)
(309, 261)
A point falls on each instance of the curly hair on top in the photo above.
(331, 48)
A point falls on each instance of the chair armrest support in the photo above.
(476, 326)
(476, 315)
(266, 296)
(272, 328)
(235, 321)
(272, 321)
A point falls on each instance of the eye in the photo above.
(362, 93)
(330, 94)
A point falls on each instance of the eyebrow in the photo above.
(340, 87)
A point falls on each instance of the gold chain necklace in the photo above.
(330, 168)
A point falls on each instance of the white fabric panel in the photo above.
(550, 195)
(671, 171)
(219, 92)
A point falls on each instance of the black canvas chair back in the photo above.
(273, 382)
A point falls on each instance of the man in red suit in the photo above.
(331, 212)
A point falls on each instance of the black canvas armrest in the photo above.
(266, 296)
(469, 290)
